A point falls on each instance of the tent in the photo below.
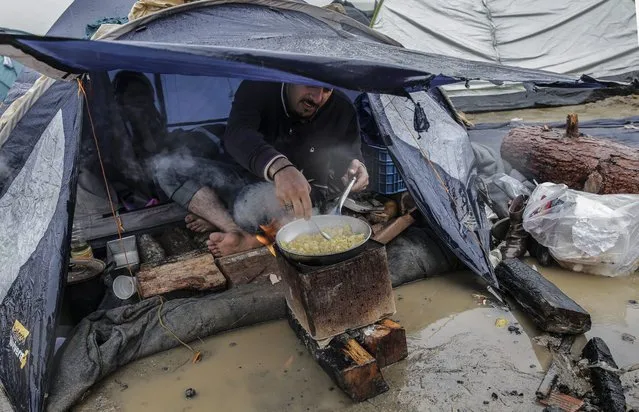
(9, 72)
(196, 54)
(593, 38)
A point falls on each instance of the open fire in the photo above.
(267, 236)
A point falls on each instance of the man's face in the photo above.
(305, 101)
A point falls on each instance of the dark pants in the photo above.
(250, 201)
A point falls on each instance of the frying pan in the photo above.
(301, 226)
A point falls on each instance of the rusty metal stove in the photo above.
(330, 300)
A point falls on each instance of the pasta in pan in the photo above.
(313, 244)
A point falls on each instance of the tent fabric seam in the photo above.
(16, 111)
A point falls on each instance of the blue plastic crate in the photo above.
(383, 175)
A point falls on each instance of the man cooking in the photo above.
(295, 142)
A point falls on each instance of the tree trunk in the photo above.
(582, 163)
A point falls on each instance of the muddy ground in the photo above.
(458, 358)
(611, 108)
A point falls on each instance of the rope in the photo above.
(197, 355)
(116, 217)
(118, 223)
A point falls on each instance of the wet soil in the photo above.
(458, 357)
(611, 108)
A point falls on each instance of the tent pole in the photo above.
(378, 7)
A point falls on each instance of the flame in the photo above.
(267, 237)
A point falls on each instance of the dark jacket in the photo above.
(259, 129)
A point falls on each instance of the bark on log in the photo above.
(192, 271)
(548, 306)
(547, 155)
(607, 385)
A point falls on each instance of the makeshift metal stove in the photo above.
(340, 312)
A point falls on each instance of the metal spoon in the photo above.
(337, 210)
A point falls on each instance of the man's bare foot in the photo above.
(198, 224)
(224, 244)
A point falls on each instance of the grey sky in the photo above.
(34, 16)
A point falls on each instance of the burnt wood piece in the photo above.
(177, 241)
(385, 340)
(191, 271)
(150, 249)
(547, 155)
(247, 267)
(550, 308)
(351, 367)
(606, 384)
(552, 374)
(329, 300)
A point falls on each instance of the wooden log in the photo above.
(547, 155)
(191, 271)
(247, 267)
(350, 366)
(177, 241)
(550, 308)
(150, 249)
(394, 228)
(385, 340)
(607, 385)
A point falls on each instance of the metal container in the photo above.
(121, 252)
(301, 226)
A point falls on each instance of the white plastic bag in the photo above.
(584, 232)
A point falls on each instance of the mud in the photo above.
(611, 108)
(458, 358)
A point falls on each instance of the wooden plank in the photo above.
(550, 308)
(192, 271)
(606, 384)
(329, 300)
(385, 340)
(248, 267)
(104, 227)
(350, 366)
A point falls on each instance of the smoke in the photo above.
(257, 205)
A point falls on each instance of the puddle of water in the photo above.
(606, 299)
(457, 357)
